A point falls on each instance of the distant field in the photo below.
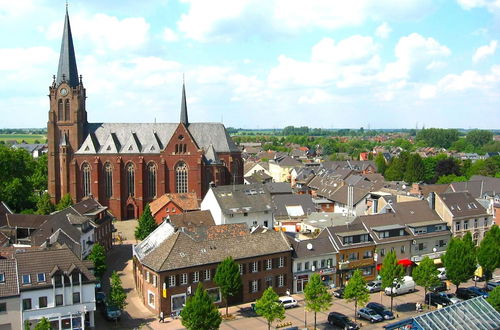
(29, 138)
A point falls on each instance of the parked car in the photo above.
(374, 286)
(100, 297)
(491, 285)
(381, 310)
(453, 298)
(435, 299)
(438, 288)
(442, 273)
(111, 313)
(408, 285)
(370, 315)
(341, 321)
(465, 294)
(479, 292)
(339, 293)
(288, 302)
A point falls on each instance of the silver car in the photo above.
(374, 286)
(370, 315)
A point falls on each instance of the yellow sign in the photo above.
(164, 293)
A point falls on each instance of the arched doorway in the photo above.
(130, 212)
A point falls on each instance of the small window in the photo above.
(75, 278)
(269, 264)
(184, 279)
(59, 299)
(154, 280)
(281, 281)
(151, 299)
(196, 277)
(306, 265)
(40, 277)
(241, 269)
(76, 297)
(147, 276)
(26, 304)
(255, 286)
(42, 302)
(171, 281)
(3, 307)
(281, 262)
(245, 214)
(299, 266)
(255, 267)
(2, 278)
(403, 249)
(207, 274)
(26, 279)
(382, 252)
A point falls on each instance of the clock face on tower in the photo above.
(64, 91)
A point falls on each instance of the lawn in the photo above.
(29, 138)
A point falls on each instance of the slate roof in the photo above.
(478, 186)
(320, 245)
(29, 147)
(151, 138)
(46, 261)
(462, 204)
(258, 177)
(26, 220)
(287, 161)
(275, 188)
(180, 250)
(10, 287)
(186, 201)
(281, 202)
(67, 60)
(194, 218)
(340, 195)
(337, 232)
(243, 198)
(154, 239)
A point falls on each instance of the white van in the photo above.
(407, 285)
(288, 302)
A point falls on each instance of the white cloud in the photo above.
(9, 8)
(427, 92)
(351, 49)
(491, 5)
(470, 79)
(15, 59)
(170, 35)
(105, 32)
(383, 30)
(485, 51)
(316, 96)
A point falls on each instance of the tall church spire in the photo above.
(184, 113)
(67, 62)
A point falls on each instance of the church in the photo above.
(124, 166)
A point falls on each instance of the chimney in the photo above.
(375, 206)
(432, 200)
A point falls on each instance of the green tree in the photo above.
(380, 163)
(146, 224)
(447, 166)
(391, 272)
(460, 259)
(117, 295)
(39, 176)
(44, 204)
(65, 202)
(426, 274)
(430, 164)
(488, 254)
(200, 311)
(479, 138)
(445, 179)
(43, 324)
(316, 295)
(98, 256)
(356, 291)
(415, 169)
(494, 298)
(228, 278)
(438, 137)
(269, 307)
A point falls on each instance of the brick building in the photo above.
(125, 166)
(169, 264)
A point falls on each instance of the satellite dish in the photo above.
(335, 185)
(404, 187)
(309, 246)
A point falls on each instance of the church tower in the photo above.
(67, 123)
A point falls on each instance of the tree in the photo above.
(200, 311)
(117, 295)
(44, 204)
(269, 307)
(437, 137)
(460, 259)
(380, 163)
(316, 295)
(228, 278)
(98, 256)
(479, 138)
(43, 324)
(356, 291)
(39, 176)
(391, 272)
(445, 179)
(426, 274)
(65, 202)
(488, 254)
(146, 224)
(447, 166)
(415, 169)
(494, 298)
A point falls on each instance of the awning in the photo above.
(403, 262)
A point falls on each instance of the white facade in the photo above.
(68, 313)
(252, 219)
(359, 209)
(304, 268)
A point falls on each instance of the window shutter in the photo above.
(259, 265)
(284, 261)
(243, 268)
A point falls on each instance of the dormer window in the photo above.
(40, 277)
(26, 279)
(348, 240)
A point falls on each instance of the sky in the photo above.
(260, 64)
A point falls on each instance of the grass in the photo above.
(29, 138)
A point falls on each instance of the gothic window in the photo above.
(130, 179)
(151, 180)
(66, 110)
(86, 179)
(108, 179)
(181, 178)
(60, 110)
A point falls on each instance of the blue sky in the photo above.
(260, 64)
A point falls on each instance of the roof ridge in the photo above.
(177, 233)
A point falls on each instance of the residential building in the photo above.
(10, 312)
(35, 150)
(250, 204)
(280, 168)
(169, 204)
(191, 219)
(168, 266)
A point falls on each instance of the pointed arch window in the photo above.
(181, 178)
(130, 179)
(108, 179)
(86, 179)
(59, 110)
(151, 180)
(66, 110)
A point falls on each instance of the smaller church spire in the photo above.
(67, 70)
(184, 113)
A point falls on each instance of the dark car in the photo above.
(438, 288)
(100, 297)
(381, 310)
(435, 299)
(479, 292)
(111, 313)
(465, 294)
(339, 293)
(341, 321)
